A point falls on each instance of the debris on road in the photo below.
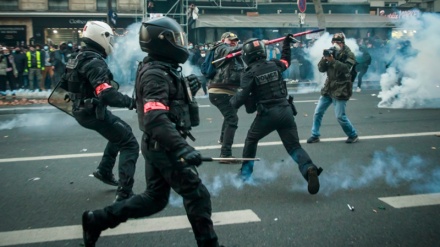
(34, 179)
(350, 207)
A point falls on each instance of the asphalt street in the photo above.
(46, 161)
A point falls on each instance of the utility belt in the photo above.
(264, 105)
(89, 104)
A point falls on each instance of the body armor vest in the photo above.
(269, 81)
(178, 98)
(74, 82)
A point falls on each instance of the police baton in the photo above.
(238, 53)
(229, 159)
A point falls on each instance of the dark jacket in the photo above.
(338, 84)
(92, 78)
(20, 61)
(159, 86)
(228, 71)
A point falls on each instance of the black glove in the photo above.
(132, 104)
(190, 155)
(290, 38)
(193, 83)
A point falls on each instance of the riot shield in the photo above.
(60, 99)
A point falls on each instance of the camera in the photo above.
(330, 52)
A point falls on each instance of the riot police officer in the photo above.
(166, 114)
(88, 81)
(263, 90)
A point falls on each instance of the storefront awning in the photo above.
(292, 21)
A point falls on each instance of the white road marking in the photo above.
(130, 227)
(84, 155)
(412, 200)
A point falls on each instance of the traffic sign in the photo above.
(302, 5)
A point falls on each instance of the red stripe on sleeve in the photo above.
(101, 88)
(149, 106)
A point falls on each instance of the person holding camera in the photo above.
(338, 62)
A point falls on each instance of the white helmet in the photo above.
(98, 33)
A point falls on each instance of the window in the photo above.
(101, 5)
(58, 5)
(9, 4)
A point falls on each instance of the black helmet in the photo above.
(165, 38)
(253, 49)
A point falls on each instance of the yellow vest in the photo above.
(37, 53)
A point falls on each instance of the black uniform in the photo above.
(264, 90)
(88, 82)
(162, 106)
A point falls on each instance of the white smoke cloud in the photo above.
(389, 166)
(420, 83)
(37, 119)
(126, 55)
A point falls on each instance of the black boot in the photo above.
(91, 231)
(106, 178)
(313, 181)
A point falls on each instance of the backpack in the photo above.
(207, 68)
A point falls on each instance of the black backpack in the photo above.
(207, 68)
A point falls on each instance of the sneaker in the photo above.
(358, 89)
(90, 231)
(352, 139)
(313, 181)
(106, 178)
(313, 139)
(228, 161)
(220, 142)
(122, 195)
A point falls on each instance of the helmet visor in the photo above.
(178, 38)
(110, 37)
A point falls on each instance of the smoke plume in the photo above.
(420, 86)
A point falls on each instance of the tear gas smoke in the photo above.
(387, 166)
(420, 86)
(126, 55)
(35, 119)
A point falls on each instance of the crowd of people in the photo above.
(33, 67)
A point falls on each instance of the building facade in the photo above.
(23, 22)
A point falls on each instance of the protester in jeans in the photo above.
(223, 86)
(337, 62)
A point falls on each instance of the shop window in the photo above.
(58, 5)
(102, 5)
(9, 4)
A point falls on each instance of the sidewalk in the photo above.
(25, 101)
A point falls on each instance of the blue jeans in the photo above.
(339, 105)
